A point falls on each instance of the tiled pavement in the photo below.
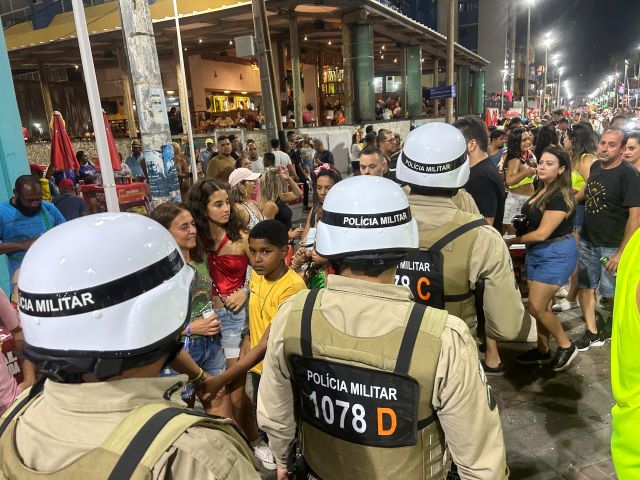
(557, 425)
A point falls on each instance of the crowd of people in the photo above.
(428, 220)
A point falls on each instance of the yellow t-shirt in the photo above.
(265, 299)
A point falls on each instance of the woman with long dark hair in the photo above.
(580, 144)
(318, 268)
(547, 229)
(222, 243)
(546, 137)
(519, 173)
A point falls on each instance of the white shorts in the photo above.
(513, 206)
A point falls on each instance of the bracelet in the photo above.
(198, 377)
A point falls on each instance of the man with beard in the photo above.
(23, 219)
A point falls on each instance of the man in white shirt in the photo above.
(257, 165)
(282, 158)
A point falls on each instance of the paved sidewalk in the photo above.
(557, 425)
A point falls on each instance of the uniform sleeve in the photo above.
(275, 397)
(466, 408)
(506, 318)
(204, 454)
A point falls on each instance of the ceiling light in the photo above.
(230, 42)
(170, 92)
(382, 47)
(395, 60)
(227, 91)
(199, 40)
(76, 67)
(305, 38)
(243, 93)
(381, 57)
(329, 42)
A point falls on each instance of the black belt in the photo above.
(558, 239)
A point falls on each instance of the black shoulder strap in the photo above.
(35, 390)
(305, 327)
(462, 229)
(409, 339)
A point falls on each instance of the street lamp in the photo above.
(547, 44)
(526, 55)
(559, 75)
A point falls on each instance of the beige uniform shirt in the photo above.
(506, 318)
(460, 395)
(220, 167)
(67, 421)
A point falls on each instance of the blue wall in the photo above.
(13, 154)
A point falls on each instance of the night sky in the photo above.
(589, 35)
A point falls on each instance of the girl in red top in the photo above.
(223, 243)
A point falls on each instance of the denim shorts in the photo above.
(591, 273)
(231, 326)
(551, 263)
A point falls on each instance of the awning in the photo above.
(103, 18)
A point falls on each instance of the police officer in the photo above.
(103, 300)
(374, 384)
(459, 250)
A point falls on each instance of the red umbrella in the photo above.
(113, 150)
(63, 157)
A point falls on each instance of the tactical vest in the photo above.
(439, 277)
(129, 452)
(363, 405)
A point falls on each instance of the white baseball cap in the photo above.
(242, 175)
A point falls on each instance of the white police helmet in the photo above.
(101, 294)
(434, 155)
(365, 214)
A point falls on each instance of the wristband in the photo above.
(198, 377)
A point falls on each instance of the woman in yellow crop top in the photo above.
(520, 171)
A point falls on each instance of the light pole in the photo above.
(624, 82)
(615, 88)
(547, 43)
(526, 56)
(609, 80)
(559, 77)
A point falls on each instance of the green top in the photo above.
(201, 291)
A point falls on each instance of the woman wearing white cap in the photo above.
(243, 186)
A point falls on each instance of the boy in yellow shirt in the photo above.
(272, 282)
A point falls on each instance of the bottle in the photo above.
(604, 261)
